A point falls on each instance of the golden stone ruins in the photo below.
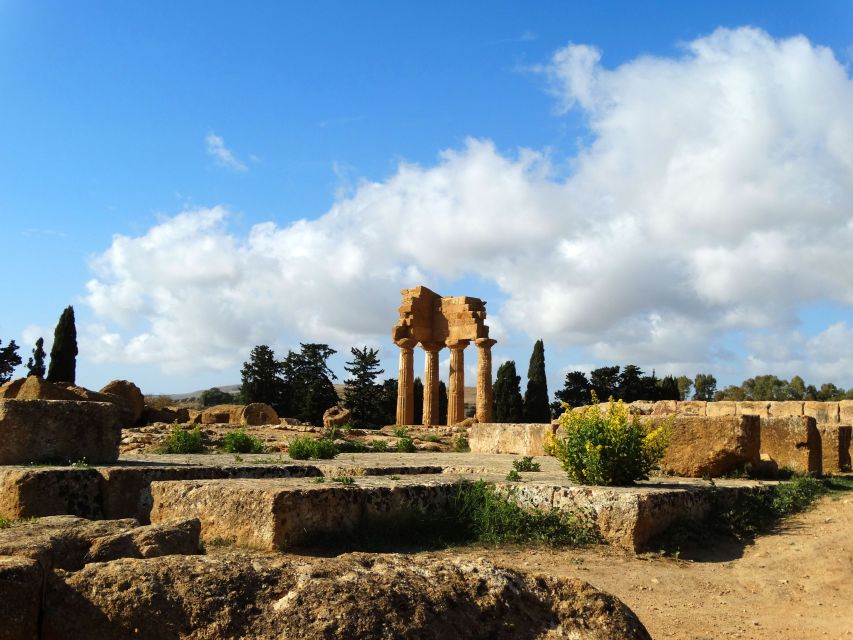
(435, 322)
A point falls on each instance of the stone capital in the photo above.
(457, 344)
(432, 346)
(406, 343)
(485, 343)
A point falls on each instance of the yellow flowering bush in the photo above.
(611, 448)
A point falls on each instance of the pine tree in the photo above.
(261, 378)
(308, 382)
(63, 353)
(35, 364)
(575, 391)
(509, 406)
(536, 407)
(9, 359)
(362, 394)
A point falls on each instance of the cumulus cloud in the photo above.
(716, 196)
(224, 157)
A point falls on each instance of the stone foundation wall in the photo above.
(518, 439)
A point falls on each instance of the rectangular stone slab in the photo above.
(835, 444)
(793, 443)
(518, 439)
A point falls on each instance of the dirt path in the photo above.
(796, 583)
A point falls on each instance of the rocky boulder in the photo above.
(130, 395)
(222, 414)
(702, 446)
(240, 594)
(257, 414)
(336, 416)
(34, 388)
(52, 431)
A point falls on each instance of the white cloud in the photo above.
(217, 150)
(716, 195)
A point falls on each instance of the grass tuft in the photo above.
(525, 464)
(241, 442)
(303, 448)
(180, 441)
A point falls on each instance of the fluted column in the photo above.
(484, 379)
(431, 350)
(405, 382)
(456, 386)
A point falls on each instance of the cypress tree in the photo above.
(536, 407)
(35, 364)
(509, 407)
(418, 400)
(442, 402)
(63, 353)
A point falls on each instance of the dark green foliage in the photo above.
(180, 441)
(513, 476)
(605, 382)
(630, 385)
(684, 384)
(526, 464)
(442, 402)
(388, 402)
(261, 378)
(303, 448)
(667, 389)
(406, 445)
(241, 442)
(460, 443)
(575, 391)
(536, 407)
(362, 394)
(704, 386)
(9, 359)
(348, 480)
(213, 396)
(35, 364)
(509, 406)
(63, 353)
(418, 400)
(379, 446)
(308, 383)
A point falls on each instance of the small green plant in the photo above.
(611, 448)
(238, 457)
(303, 448)
(344, 480)
(513, 476)
(319, 480)
(400, 432)
(181, 441)
(5, 523)
(406, 445)
(241, 442)
(432, 438)
(460, 443)
(525, 464)
(379, 446)
(395, 477)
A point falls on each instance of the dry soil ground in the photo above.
(794, 583)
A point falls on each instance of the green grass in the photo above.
(241, 442)
(406, 445)
(400, 432)
(303, 448)
(525, 464)
(278, 460)
(348, 480)
(513, 476)
(5, 523)
(379, 446)
(180, 441)
(460, 444)
(432, 438)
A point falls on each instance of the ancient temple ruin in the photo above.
(435, 322)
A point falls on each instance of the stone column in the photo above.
(405, 382)
(484, 379)
(431, 350)
(456, 388)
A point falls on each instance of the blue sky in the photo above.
(116, 118)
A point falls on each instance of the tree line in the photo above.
(63, 354)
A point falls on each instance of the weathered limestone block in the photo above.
(710, 446)
(692, 408)
(721, 408)
(58, 431)
(823, 412)
(785, 408)
(174, 537)
(270, 514)
(641, 407)
(36, 492)
(835, 444)
(760, 408)
(336, 417)
(256, 414)
(130, 396)
(665, 408)
(21, 582)
(793, 443)
(845, 412)
(222, 414)
(520, 439)
(34, 388)
(235, 594)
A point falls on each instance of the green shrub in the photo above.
(432, 438)
(460, 444)
(5, 523)
(611, 448)
(344, 480)
(379, 446)
(180, 441)
(513, 476)
(400, 432)
(303, 448)
(406, 445)
(526, 464)
(241, 442)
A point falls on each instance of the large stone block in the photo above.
(665, 408)
(760, 408)
(692, 408)
(845, 412)
(835, 444)
(793, 443)
(21, 582)
(37, 492)
(519, 439)
(722, 408)
(711, 446)
(785, 408)
(823, 412)
(58, 431)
